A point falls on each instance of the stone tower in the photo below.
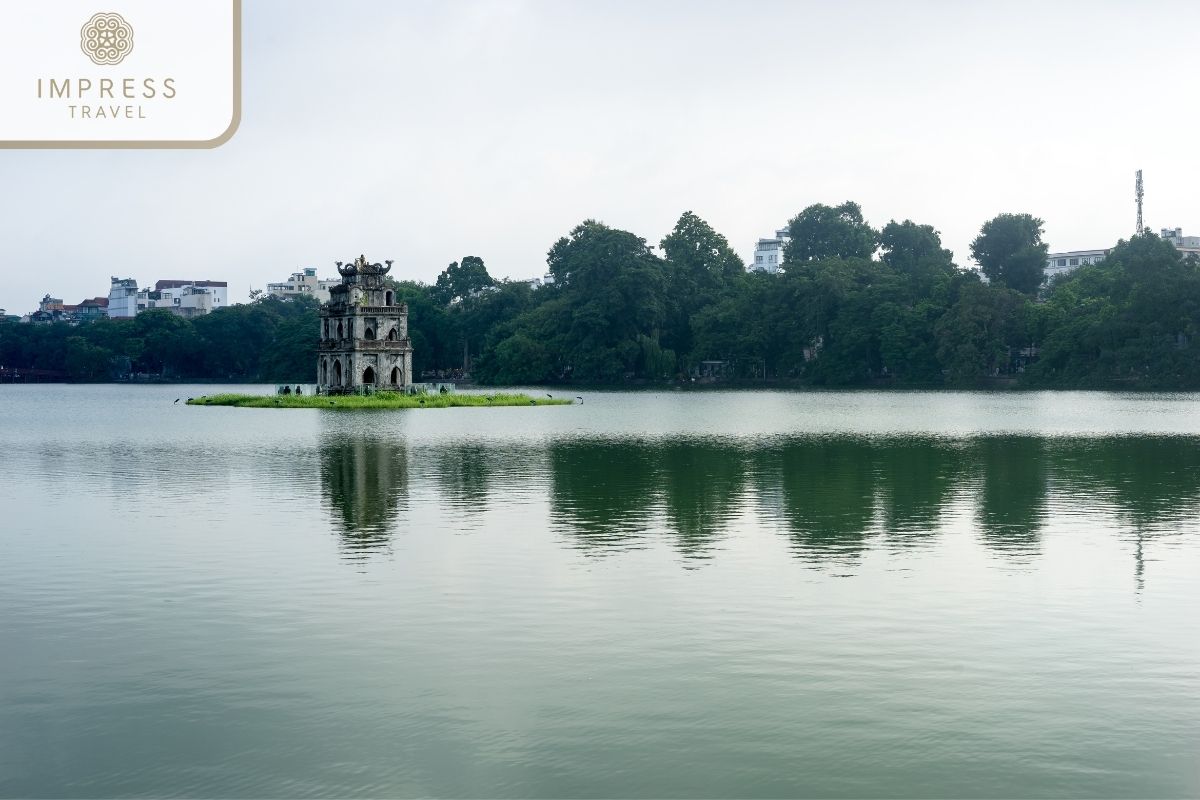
(364, 333)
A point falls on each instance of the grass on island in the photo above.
(376, 400)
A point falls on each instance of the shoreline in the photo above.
(384, 400)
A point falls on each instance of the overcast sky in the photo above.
(426, 131)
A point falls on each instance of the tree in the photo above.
(461, 280)
(820, 232)
(1010, 251)
(975, 334)
(87, 362)
(699, 265)
(915, 251)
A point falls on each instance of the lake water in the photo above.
(749, 594)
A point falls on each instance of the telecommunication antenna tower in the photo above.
(1139, 201)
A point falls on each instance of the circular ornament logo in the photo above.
(106, 38)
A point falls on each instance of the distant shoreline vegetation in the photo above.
(853, 306)
(376, 400)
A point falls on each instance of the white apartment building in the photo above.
(122, 298)
(185, 298)
(305, 283)
(1062, 263)
(1187, 245)
(768, 253)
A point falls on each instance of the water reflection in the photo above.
(1012, 495)
(703, 485)
(827, 492)
(364, 480)
(1152, 484)
(832, 498)
(602, 492)
(462, 473)
(916, 481)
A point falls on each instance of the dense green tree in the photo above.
(86, 361)
(461, 280)
(609, 287)
(616, 313)
(1133, 320)
(1010, 251)
(820, 232)
(916, 253)
(977, 332)
(699, 266)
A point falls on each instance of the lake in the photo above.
(758, 594)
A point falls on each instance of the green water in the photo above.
(852, 594)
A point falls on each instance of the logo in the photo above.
(106, 38)
(182, 87)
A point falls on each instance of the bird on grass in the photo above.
(533, 402)
(549, 395)
(190, 399)
(580, 399)
(176, 401)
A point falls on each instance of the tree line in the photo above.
(852, 305)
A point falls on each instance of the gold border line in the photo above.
(150, 144)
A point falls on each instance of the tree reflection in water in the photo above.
(703, 484)
(612, 495)
(826, 496)
(602, 492)
(1012, 494)
(463, 473)
(365, 482)
(917, 478)
(1151, 484)
(834, 498)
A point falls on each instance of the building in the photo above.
(768, 253)
(122, 298)
(537, 283)
(1186, 245)
(185, 298)
(364, 340)
(304, 283)
(52, 309)
(1062, 263)
(192, 298)
(88, 310)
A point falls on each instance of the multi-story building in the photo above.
(304, 283)
(1062, 263)
(185, 298)
(52, 309)
(1187, 245)
(192, 298)
(88, 310)
(768, 253)
(122, 298)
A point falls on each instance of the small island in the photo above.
(375, 400)
(365, 356)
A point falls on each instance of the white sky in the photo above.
(426, 131)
